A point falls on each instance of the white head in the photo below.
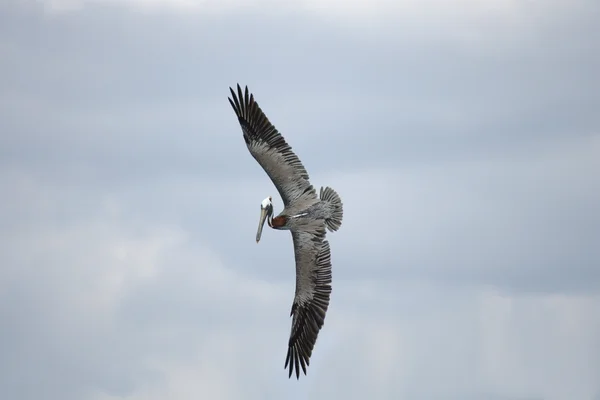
(266, 203)
(266, 211)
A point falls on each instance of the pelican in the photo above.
(305, 215)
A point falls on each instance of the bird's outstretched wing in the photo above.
(313, 289)
(270, 149)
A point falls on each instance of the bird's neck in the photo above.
(278, 222)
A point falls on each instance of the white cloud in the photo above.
(540, 346)
(124, 299)
(479, 219)
(412, 15)
(210, 7)
(337, 7)
(465, 263)
(453, 345)
(176, 322)
(438, 343)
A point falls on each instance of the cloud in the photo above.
(106, 306)
(480, 220)
(416, 97)
(462, 138)
(160, 316)
(147, 310)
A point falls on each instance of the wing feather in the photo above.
(270, 149)
(313, 290)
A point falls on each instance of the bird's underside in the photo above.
(305, 214)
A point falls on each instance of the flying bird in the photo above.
(306, 215)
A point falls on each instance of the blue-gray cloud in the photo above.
(467, 167)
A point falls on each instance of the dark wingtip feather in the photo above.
(232, 105)
(235, 102)
(310, 317)
(287, 361)
(241, 100)
(266, 144)
(294, 361)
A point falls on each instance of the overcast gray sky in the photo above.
(463, 137)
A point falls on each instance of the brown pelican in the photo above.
(304, 214)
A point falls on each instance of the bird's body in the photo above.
(305, 214)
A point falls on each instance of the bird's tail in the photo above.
(334, 220)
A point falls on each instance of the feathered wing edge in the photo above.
(334, 221)
(270, 149)
(309, 314)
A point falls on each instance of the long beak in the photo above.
(261, 223)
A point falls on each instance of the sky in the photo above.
(463, 138)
